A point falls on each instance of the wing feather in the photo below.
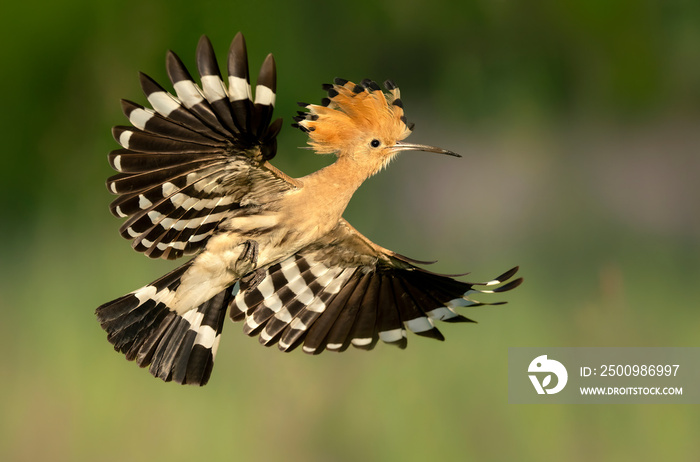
(345, 290)
(198, 156)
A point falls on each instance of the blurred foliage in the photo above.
(578, 122)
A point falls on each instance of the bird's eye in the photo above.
(374, 143)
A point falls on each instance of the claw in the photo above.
(250, 252)
(253, 279)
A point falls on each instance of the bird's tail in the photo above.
(178, 346)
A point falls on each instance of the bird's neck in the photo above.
(344, 175)
(332, 187)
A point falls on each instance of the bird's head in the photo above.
(361, 122)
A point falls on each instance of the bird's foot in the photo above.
(251, 280)
(250, 252)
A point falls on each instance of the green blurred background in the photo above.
(578, 122)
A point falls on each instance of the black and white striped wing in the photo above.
(345, 291)
(198, 155)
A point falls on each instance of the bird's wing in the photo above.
(345, 290)
(198, 155)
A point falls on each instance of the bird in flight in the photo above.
(274, 251)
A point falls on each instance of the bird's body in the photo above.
(195, 178)
(279, 229)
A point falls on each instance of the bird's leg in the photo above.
(249, 259)
(250, 252)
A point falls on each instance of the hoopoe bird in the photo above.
(195, 178)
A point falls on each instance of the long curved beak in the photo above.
(422, 147)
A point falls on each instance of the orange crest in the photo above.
(353, 112)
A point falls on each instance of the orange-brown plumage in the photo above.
(352, 116)
(360, 122)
